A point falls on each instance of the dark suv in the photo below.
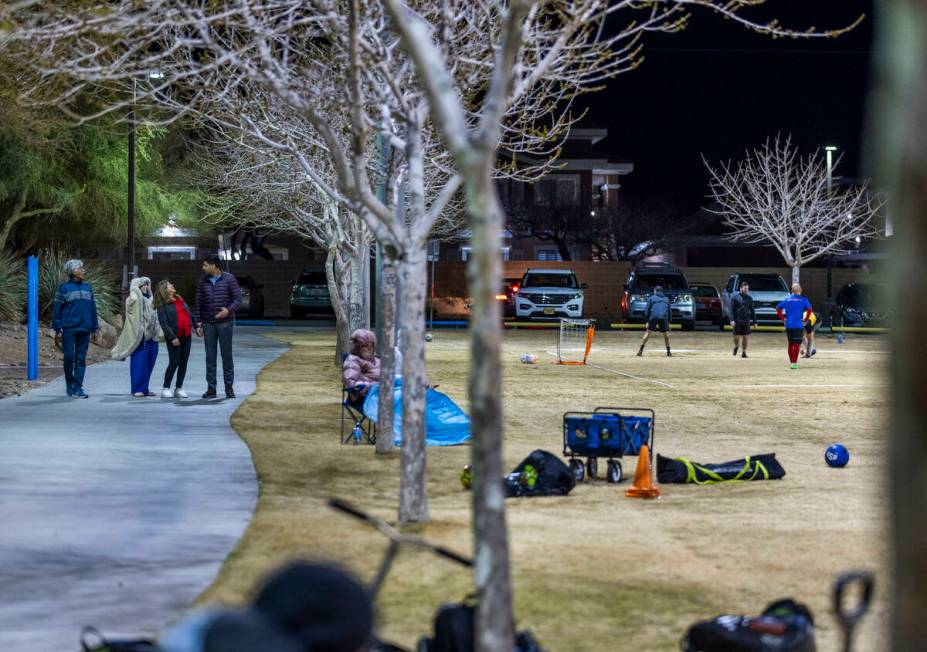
(310, 294)
(640, 284)
(862, 304)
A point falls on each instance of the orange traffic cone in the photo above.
(643, 480)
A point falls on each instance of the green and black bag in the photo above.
(684, 471)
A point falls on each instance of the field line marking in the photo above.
(620, 373)
(627, 375)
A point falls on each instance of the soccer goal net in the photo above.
(575, 340)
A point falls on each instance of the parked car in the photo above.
(310, 294)
(640, 284)
(549, 294)
(507, 295)
(767, 290)
(862, 305)
(252, 298)
(707, 303)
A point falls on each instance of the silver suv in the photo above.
(549, 294)
(641, 282)
(767, 290)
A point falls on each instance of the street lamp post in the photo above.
(830, 149)
(130, 202)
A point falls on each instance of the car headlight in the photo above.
(576, 296)
(636, 298)
(684, 298)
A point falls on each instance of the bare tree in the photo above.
(544, 54)
(775, 196)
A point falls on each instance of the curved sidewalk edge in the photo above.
(118, 511)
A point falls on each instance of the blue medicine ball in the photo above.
(837, 455)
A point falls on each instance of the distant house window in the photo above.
(467, 252)
(548, 255)
(175, 252)
(557, 190)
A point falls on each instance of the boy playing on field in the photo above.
(808, 341)
(657, 316)
(794, 310)
(742, 315)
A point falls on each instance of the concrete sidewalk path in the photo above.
(118, 511)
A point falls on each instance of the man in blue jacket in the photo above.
(218, 296)
(74, 318)
(794, 310)
(657, 315)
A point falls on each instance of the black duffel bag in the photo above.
(785, 626)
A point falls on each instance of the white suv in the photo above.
(549, 294)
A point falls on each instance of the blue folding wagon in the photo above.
(609, 432)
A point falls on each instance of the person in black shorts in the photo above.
(743, 315)
(811, 325)
(657, 316)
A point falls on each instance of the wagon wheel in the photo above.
(592, 467)
(577, 469)
(613, 474)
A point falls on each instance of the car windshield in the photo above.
(666, 281)
(312, 278)
(704, 291)
(549, 281)
(764, 283)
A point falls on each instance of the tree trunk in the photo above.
(413, 482)
(359, 299)
(387, 297)
(342, 322)
(900, 127)
(494, 622)
(14, 217)
(562, 248)
(796, 273)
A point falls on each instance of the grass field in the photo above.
(595, 570)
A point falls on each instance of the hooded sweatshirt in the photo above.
(141, 322)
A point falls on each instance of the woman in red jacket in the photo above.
(177, 323)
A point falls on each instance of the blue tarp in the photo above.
(445, 423)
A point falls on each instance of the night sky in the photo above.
(716, 89)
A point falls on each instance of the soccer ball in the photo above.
(428, 337)
(529, 358)
(839, 338)
(837, 456)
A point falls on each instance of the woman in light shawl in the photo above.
(139, 337)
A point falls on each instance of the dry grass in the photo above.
(594, 570)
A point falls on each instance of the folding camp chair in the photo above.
(362, 430)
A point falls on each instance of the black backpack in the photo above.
(785, 626)
(454, 632)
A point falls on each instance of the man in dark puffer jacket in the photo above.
(218, 296)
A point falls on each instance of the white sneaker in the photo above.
(167, 393)
(179, 393)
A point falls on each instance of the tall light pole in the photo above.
(830, 149)
(130, 203)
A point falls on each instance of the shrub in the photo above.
(99, 275)
(12, 288)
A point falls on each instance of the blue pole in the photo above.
(33, 312)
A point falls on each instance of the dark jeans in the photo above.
(74, 346)
(177, 357)
(219, 333)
